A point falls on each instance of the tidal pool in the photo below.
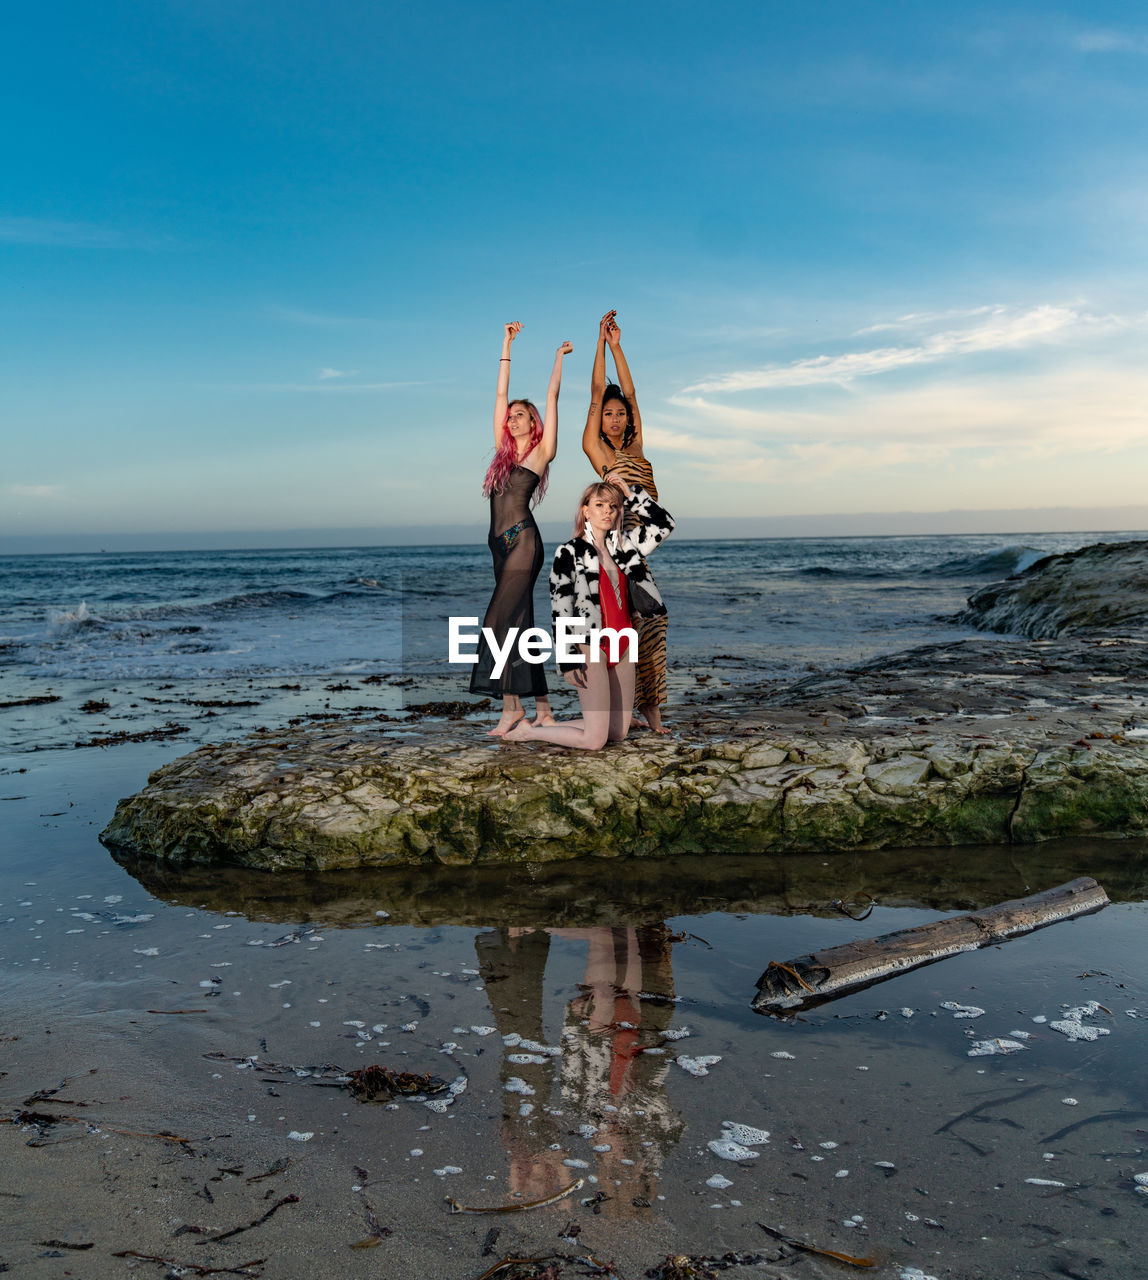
(595, 1022)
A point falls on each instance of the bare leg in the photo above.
(622, 678)
(543, 715)
(653, 714)
(601, 977)
(592, 731)
(512, 712)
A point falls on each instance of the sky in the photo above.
(872, 261)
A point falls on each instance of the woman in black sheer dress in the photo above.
(524, 446)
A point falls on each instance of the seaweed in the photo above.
(376, 1232)
(169, 730)
(449, 710)
(682, 1266)
(794, 1243)
(257, 1222)
(521, 1206)
(375, 1083)
(179, 1268)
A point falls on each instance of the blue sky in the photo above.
(255, 259)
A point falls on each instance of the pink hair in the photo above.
(506, 456)
(592, 491)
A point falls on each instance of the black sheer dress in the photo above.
(516, 549)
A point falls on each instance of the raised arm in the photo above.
(502, 391)
(655, 524)
(547, 447)
(625, 381)
(592, 445)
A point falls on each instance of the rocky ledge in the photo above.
(986, 742)
(1099, 589)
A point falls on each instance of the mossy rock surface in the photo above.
(354, 795)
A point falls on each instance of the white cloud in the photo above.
(1002, 330)
(1095, 408)
(915, 319)
(324, 374)
(661, 438)
(35, 490)
(1107, 40)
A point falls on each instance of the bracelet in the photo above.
(504, 360)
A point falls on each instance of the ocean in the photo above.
(776, 607)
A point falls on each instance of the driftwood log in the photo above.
(824, 975)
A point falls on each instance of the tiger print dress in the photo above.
(650, 689)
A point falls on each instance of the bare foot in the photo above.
(654, 720)
(543, 721)
(505, 723)
(522, 732)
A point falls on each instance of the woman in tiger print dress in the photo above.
(612, 440)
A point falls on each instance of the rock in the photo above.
(1100, 589)
(899, 777)
(1104, 794)
(352, 795)
(987, 741)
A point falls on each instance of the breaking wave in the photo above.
(1002, 562)
(62, 622)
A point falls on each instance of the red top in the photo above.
(615, 610)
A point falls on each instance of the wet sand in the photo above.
(278, 984)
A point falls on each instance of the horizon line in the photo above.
(457, 535)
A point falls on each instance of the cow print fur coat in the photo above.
(574, 577)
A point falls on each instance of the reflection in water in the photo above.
(610, 1072)
(644, 890)
(598, 1086)
(568, 958)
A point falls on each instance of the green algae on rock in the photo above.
(353, 795)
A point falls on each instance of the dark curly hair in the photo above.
(614, 392)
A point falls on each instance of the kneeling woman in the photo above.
(600, 577)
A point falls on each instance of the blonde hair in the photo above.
(593, 491)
